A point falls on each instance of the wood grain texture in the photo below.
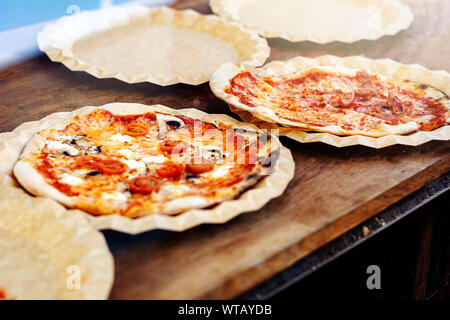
(333, 189)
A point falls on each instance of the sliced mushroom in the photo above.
(163, 120)
(80, 141)
(62, 148)
(269, 162)
(194, 179)
(212, 153)
(84, 145)
(69, 150)
(95, 149)
(73, 139)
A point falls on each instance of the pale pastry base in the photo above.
(159, 45)
(318, 21)
(45, 249)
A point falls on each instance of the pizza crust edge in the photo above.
(34, 183)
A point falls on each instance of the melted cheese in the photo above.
(115, 196)
(62, 147)
(133, 164)
(70, 180)
(155, 159)
(175, 189)
(219, 172)
(121, 138)
(83, 171)
(127, 153)
(66, 138)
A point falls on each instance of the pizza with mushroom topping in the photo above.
(143, 161)
(337, 100)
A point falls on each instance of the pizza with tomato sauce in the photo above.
(4, 295)
(337, 100)
(140, 160)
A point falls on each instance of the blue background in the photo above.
(19, 13)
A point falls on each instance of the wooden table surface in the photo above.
(333, 189)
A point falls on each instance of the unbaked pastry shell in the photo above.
(63, 42)
(384, 17)
(40, 236)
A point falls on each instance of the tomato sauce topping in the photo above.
(173, 146)
(170, 170)
(144, 185)
(2, 294)
(112, 167)
(48, 170)
(200, 166)
(135, 129)
(87, 162)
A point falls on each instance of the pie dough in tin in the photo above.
(158, 45)
(320, 21)
(48, 252)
